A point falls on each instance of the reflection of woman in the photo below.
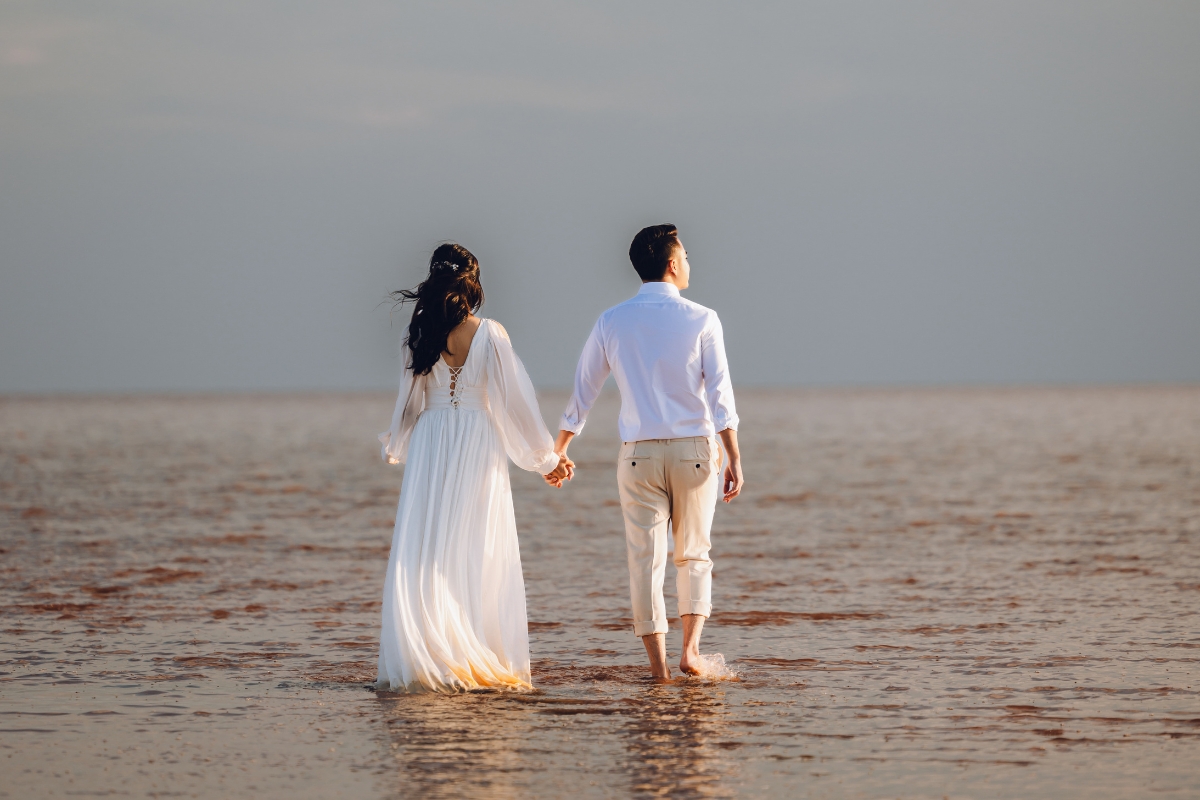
(453, 597)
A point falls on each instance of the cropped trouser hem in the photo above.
(668, 484)
(649, 627)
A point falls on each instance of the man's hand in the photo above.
(563, 472)
(732, 485)
(733, 481)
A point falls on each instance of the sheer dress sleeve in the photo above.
(515, 407)
(409, 405)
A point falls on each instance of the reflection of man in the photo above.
(667, 355)
(689, 759)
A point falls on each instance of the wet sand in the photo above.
(987, 593)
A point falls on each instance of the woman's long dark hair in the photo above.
(443, 300)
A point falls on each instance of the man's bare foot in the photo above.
(689, 660)
(656, 649)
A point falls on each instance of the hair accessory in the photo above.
(442, 266)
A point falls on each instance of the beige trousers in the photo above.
(665, 481)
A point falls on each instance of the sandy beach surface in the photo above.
(942, 593)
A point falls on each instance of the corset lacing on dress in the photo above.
(455, 394)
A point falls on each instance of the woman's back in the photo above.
(458, 342)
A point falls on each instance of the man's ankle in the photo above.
(656, 651)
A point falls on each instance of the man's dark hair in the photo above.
(652, 249)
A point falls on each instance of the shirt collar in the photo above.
(659, 288)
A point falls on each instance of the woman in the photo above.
(454, 597)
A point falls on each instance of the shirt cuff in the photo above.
(729, 424)
(571, 427)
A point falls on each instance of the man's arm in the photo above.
(718, 391)
(718, 387)
(590, 374)
(563, 441)
(732, 484)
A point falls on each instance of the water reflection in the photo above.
(676, 742)
(455, 746)
(906, 614)
(676, 739)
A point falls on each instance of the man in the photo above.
(667, 355)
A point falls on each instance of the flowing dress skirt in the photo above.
(454, 597)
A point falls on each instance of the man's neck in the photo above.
(667, 279)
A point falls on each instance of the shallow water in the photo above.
(923, 593)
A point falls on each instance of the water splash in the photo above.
(713, 667)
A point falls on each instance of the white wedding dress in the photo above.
(454, 597)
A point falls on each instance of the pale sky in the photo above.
(219, 195)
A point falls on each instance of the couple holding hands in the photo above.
(454, 597)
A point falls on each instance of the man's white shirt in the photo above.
(667, 355)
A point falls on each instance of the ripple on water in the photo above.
(949, 589)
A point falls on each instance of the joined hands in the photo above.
(563, 472)
(566, 467)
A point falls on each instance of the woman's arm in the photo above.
(515, 408)
(409, 405)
